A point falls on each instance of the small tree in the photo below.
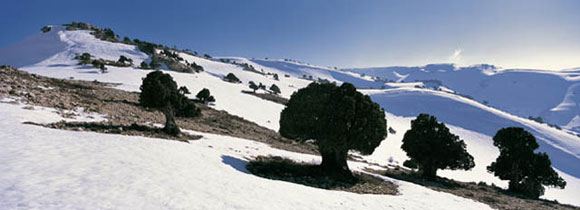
(253, 86)
(84, 58)
(275, 89)
(338, 119)
(526, 171)
(144, 65)
(100, 64)
(232, 78)
(431, 146)
(205, 96)
(125, 60)
(159, 91)
(196, 67)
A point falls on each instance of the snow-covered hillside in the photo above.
(198, 173)
(476, 124)
(548, 94)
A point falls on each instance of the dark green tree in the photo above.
(253, 86)
(84, 58)
(431, 146)
(205, 96)
(144, 65)
(125, 60)
(159, 91)
(275, 89)
(232, 78)
(338, 119)
(526, 171)
(100, 64)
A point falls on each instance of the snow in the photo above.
(57, 169)
(523, 92)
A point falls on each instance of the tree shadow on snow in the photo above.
(235, 163)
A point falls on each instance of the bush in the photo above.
(100, 64)
(205, 96)
(125, 60)
(84, 58)
(232, 78)
(144, 65)
(338, 119)
(196, 67)
(275, 89)
(159, 91)
(526, 171)
(45, 29)
(430, 144)
(253, 86)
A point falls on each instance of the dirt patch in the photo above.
(491, 195)
(121, 108)
(279, 168)
(268, 97)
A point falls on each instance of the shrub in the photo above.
(275, 89)
(205, 96)
(430, 144)
(84, 58)
(45, 29)
(392, 131)
(144, 65)
(338, 119)
(100, 64)
(526, 171)
(125, 60)
(253, 86)
(159, 91)
(232, 78)
(196, 67)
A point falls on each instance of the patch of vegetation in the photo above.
(204, 96)
(279, 168)
(269, 97)
(131, 130)
(45, 29)
(275, 89)
(232, 78)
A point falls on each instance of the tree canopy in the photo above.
(432, 146)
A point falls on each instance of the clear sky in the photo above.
(541, 34)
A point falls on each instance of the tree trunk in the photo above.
(428, 171)
(334, 163)
(170, 125)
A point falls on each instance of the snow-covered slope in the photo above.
(54, 169)
(548, 94)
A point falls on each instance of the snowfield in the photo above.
(56, 169)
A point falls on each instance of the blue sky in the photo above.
(344, 33)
